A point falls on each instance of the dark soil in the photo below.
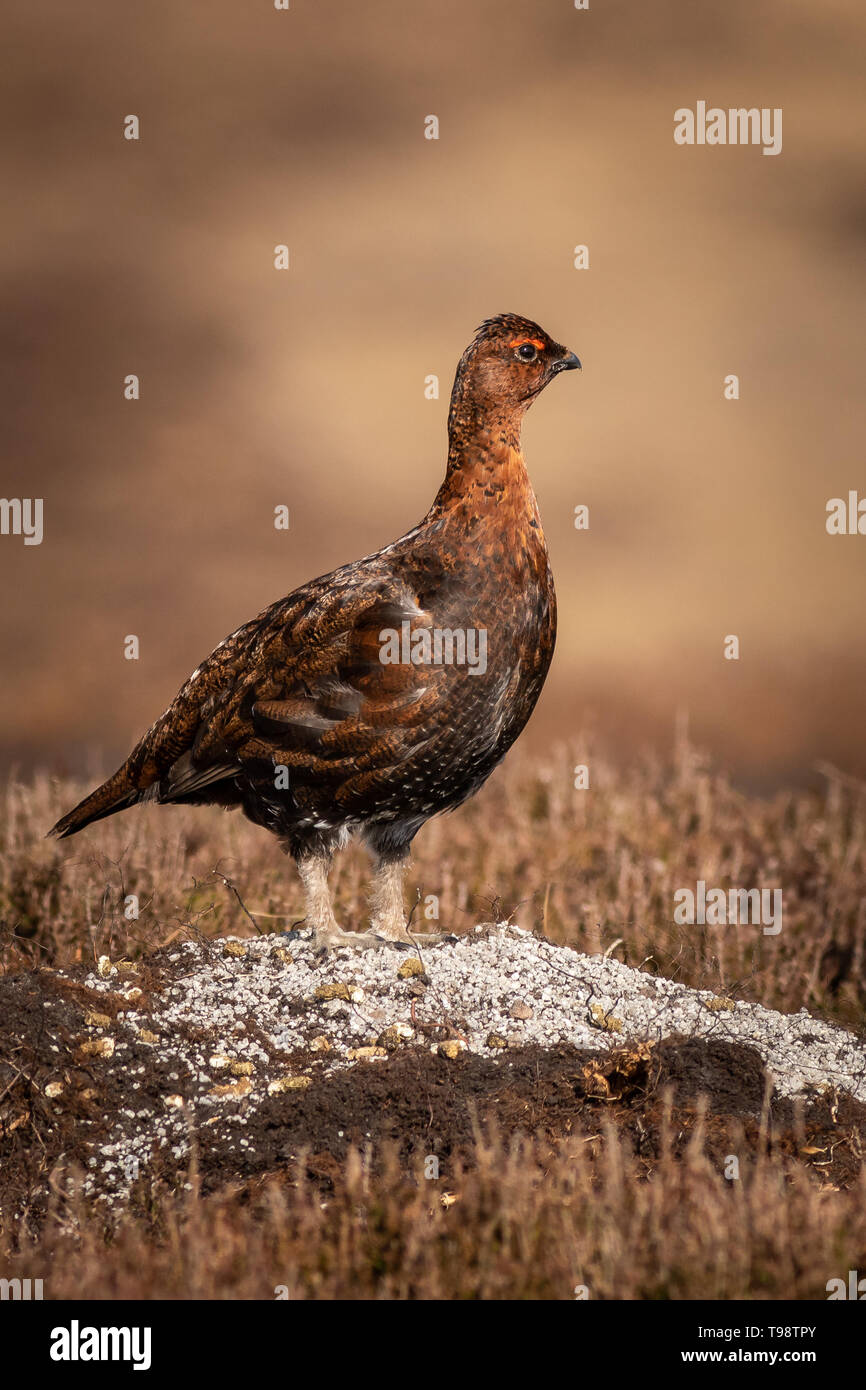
(422, 1103)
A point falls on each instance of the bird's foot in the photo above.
(420, 938)
(329, 937)
(399, 934)
(333, 938)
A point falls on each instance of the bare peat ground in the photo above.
(187, 1116)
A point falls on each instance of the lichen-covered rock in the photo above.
(335, 989)
(288, 1083)
(410, 968)
(233, 1088)
(97, 1047)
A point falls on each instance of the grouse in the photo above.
(386, 692)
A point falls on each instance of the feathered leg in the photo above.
(387, 910)
(313, 868)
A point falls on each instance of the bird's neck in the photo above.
(486, 467)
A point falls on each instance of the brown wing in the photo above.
(315, 696)
(303, 686)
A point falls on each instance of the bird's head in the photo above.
(508, 363)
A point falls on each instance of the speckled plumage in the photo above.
(372, 747)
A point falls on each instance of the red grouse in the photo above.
(379, 695)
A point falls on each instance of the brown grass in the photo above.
(515, 1219)
(589, 868)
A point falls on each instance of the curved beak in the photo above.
(567, 363)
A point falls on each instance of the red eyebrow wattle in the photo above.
(536, 342)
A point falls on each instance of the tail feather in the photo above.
(114, 795)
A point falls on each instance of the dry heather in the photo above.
(547, 1183)
(516, 1218)
(595, 869)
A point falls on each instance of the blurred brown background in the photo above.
(306, 387)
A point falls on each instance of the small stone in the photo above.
(97, 1020)
(219, 1060)
(98, 1047)
(54, 1089)
(365, 1054)
(718, 1002)
(608, 1022)
(496, 1040)
(337, 989)
(451, 1048)
(288, 1083)
(131, 994)
(104, 968)
(321, 1044)
(521, 1010)
(173, 1102)
(410, 968)
(394, 1036)
(234, 948)
(233, 1088)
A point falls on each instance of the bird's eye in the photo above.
(528, 351)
